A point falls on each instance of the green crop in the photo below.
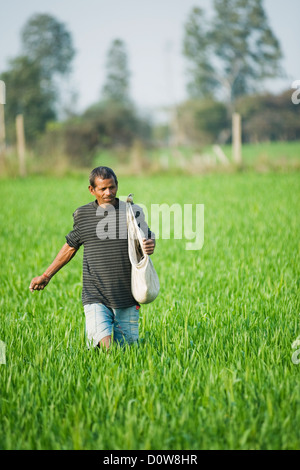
(213, 369)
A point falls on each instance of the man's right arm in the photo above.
(63, 257)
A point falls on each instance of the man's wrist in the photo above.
(46, 276)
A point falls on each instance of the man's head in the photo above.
(103, 185)
(102, 172)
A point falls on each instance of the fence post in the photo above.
(21, 144)
(236, 138)
(137, 156)
(2, 120)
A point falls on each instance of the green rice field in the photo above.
(217, 365)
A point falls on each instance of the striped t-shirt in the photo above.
(106, 273)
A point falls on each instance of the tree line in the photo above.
(229, 55)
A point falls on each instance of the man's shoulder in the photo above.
(135, 207)
(137, 210)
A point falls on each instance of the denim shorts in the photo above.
(120, 323)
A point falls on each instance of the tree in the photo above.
(233, 52)
(116, 87)
(202, 121)
(30, 78)
(25, 95)
(46, 41)
(269, 117)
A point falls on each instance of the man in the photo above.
(111, 312)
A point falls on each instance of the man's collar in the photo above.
(116, 205)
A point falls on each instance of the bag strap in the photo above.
(131, 217)
(130, 198)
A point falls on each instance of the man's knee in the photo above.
(105, 342)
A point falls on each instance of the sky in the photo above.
(153, 32)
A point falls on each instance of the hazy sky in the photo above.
(153, 33)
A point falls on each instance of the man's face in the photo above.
(105, 191)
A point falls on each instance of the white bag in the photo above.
(144, 279)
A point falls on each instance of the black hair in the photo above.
(102, 172)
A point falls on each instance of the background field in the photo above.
(214, 366)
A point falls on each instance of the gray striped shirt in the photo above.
(106, 273)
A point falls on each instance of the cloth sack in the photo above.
(144, 279)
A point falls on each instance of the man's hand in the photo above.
(63, 257)
(39, 283)
(148, 246)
